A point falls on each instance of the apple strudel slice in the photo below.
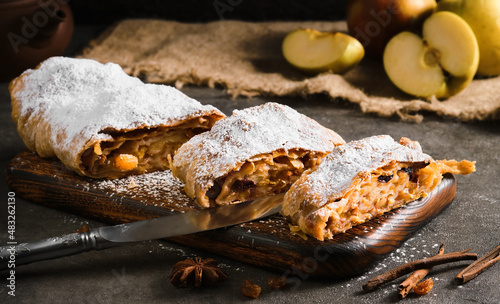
(99, 121)
(256, 152)
(361, 180)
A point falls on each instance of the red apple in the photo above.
(375, 22)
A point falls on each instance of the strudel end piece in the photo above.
(99, 121)
(254, 153)
(361, 180)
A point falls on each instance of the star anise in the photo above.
(196, 273)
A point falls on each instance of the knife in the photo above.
(14, 255)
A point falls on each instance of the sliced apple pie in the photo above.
(254, 153)
(361, 180)
(99, 121)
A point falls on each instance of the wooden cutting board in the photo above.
(267, 242)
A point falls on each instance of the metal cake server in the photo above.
(151, 229)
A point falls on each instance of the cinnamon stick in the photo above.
(418, 264)
(417, 276)
(474, 269)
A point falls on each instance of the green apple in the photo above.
(314, 52)
(441, 63)
(375, 22)
(483, 16)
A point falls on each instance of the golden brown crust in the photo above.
(67, 107)
(386, 176)
(255, 143)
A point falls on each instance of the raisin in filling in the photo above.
(214, 191)
(411, 173)
(241, 185)
(385, 178)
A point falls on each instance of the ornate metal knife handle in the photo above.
(51, 248)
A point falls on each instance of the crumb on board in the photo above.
(297, 231)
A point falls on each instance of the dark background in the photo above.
(139, 273)
(103, 12)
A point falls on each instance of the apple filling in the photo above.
(380, 191)
(139, 151)
(270, 174)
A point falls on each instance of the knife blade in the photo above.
(14, 255)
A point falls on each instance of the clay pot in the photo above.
(30, 32)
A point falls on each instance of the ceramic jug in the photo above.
(30, 32)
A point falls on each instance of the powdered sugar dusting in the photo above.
(158, 188)
(79, 98)
(340, 167)
(249, 133)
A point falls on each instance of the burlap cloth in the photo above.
(245, 58)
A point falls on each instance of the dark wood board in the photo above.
(266, 242)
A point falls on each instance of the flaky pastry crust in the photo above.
(99, 121)
(361, 180)
(256, 152)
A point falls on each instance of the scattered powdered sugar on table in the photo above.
(178, 251)
(414, 248)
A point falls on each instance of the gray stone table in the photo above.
(139, 273)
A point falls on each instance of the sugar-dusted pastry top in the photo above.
(65, 105)
(245, 136)
(361, 180)
(335, 174)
